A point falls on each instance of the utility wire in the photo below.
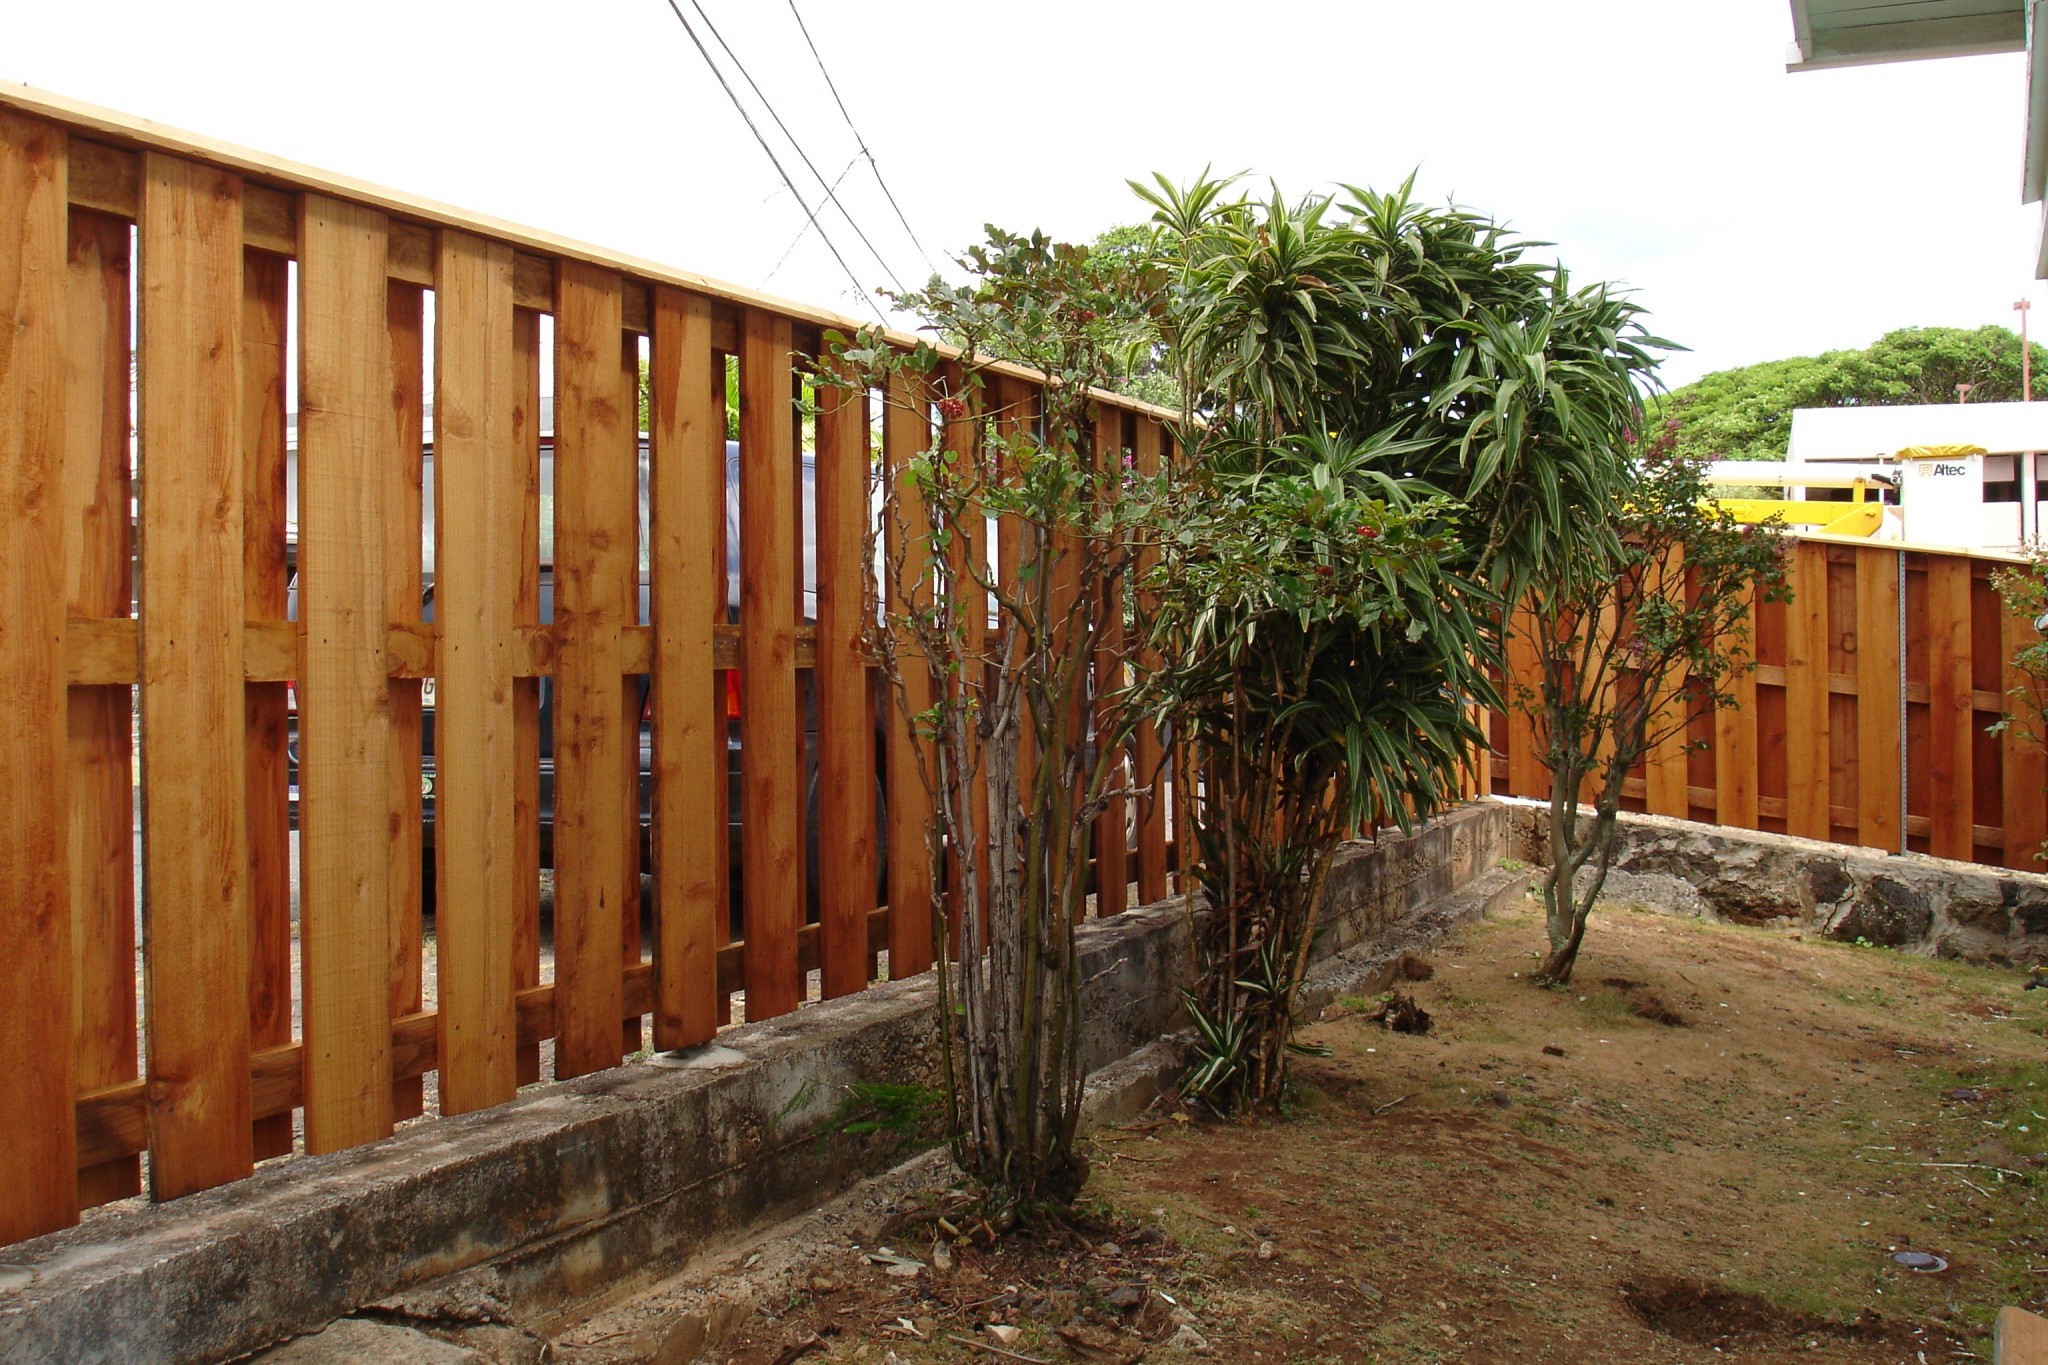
(774, 160)
(816, 174)
(797, 240)
(859, 141)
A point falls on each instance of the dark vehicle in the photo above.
(646, 746)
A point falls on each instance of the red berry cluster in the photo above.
(952, 409)
(1326, 571)
(1368, 533)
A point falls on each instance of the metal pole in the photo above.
(1905, 761)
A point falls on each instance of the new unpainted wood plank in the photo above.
(686, 496)
(1951, 708)
(1112, 860)
(2023, 761)
(2019, 1338)
(595, 492)
(1527, 775)
(266, 318)
(770, 799)
(194, 773)
(526, 345)
(1879, 747)
(345, 732)
(403, 581)
(477, 522)
(101, 748)
(846, 720)
(633, 698)
(906, 434)
(1807, 736)
(1149, 756)
(38, 1142)
(1735, 751)
(1664, 767)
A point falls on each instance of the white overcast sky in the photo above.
(1757, 214)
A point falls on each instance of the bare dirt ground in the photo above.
(1710, 1148)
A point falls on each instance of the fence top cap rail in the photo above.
(126, 130)
(1907, 546)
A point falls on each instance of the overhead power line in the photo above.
(774, 160)
(859, 141)
(797, 240)
(816, 174)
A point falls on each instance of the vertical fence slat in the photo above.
(1735, 745)
(1150, 758)
(632, 699)
(1951, 709)
(1526, 773)
(1880, 769)
(594, 573)
(1112, 864)
(2023, 759)
(686, 497)
(906, 434)
(404, 470)
(771, 813)
(193, 767)
(345, 806)
(266, 317)
(846, 720)
(526, 691)
(477, 518)
(1807, 739)
(38, 1142)
(102, 746)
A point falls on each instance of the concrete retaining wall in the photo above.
(1915, 902)
(617, 1176)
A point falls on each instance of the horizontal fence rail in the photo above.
(226, 635)
(1867, 719)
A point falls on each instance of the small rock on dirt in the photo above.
(1188, 1339)
(1265, 1251)
(1124, 1297)
(1552, 1050)
(355, 1342)
(1002, 1333)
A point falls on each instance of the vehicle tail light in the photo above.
(732, 694)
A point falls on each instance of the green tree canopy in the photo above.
(1746, 413)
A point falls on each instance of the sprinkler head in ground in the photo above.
(1921, 1262)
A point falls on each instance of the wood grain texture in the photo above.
(266, 313)
(477, 521)
(345, 734)
(686, 494)
(846, 720)
(404, 473)
(906, 434)
(1112, 860)
(2023, 761)
(38, 1143)
(1807, 736)
(526, 347)
(1735, 749)
(770, 799)
(1878, 662)
(194, 772)
(2019, 1338)
(101, 749)
(1149, 756)
(1527, 776)
(1951, 708)
(594, 573)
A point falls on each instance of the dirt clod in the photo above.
(1401, 1014)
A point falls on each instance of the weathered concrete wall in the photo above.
(609, 1177)
(1921, 904)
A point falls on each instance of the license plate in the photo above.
(426, 692)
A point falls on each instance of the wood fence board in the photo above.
(906, 434)
(1526, 774)
(1878, 664)
(266, 320)
(38, 1144)
(403, 582)
(194, 771)
(846, 719)
(2024, 762)
(686, 406)
(966, 567)
(526, 346)
(1112, 868)
(1735, 752)
(2019, 1338)
(1951, 707)
(1807, 734)
(101, 748)
(632, 696)
(345, 739)
(771, 815)
(594, 573)
(477, 521)
(1150, 758)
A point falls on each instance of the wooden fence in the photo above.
(228, 269)
(1865, 721)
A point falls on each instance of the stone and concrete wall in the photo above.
(617, 1177)
(1918, 903)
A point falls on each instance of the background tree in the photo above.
(1633, 646)
(1746, 413)
(1350, 363)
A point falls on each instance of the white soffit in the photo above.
(1860, 433)
(1830, 33)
